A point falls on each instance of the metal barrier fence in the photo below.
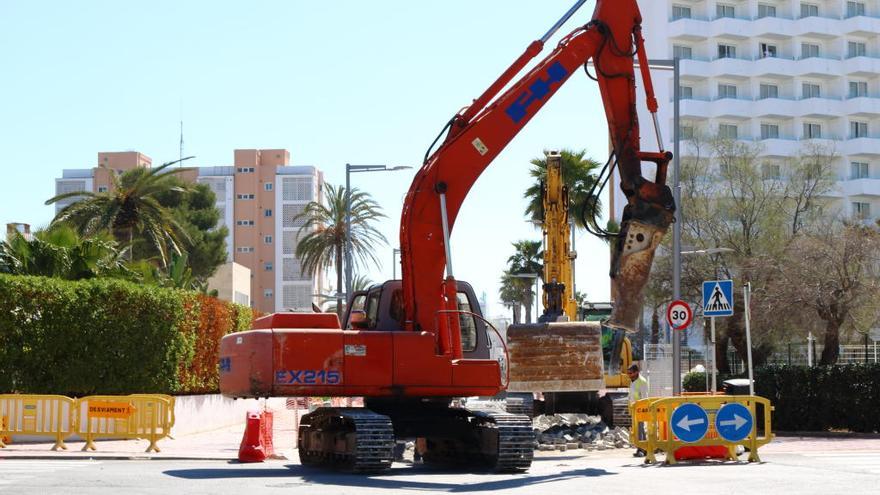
(668, 424)
(139, 416)
(38, 415)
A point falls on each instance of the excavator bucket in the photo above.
(630, 268)
(555, 357)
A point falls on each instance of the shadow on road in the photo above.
(392, 479)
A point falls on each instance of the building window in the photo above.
(862, 211)
(726, 51)
(246, 170)
(855, 8)
(681, 12)
(769, 131)
(727, 131)
(686, 132)
(267, 293)
(245, 249)
(724, 10)
(770, 171)
(858, 129)
(809, 10)
(812, 131)
(267, 212)
(726, 91)
(765, 10)
(267, 266)
(809, 50)
(682, 52)
(858, 88)
(767, 50)
(858, 170)
(855, 49)
(247, 223)
(244, 196)
(267, 186)
(267, 239)
(810, 90)
(769, 91)
(686, 92)
(102, 189)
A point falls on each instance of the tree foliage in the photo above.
(579, 175)
(61, 253)
(322, 234)
(130, 208)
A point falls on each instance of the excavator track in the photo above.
(346, 438)
(496, 440)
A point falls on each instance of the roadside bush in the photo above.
(844, 397)
(108, 336)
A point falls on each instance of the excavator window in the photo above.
(372, 308)
(468, 324)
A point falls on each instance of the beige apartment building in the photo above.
(259, 197)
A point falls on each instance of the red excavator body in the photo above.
(409, 368)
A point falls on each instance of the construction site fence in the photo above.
(652, 417)
(139, 416)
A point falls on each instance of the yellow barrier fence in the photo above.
(37, 415)
(147, 417)
(140, 416)
(669, 423)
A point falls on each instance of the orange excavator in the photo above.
(410, 347)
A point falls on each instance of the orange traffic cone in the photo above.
(252, 449)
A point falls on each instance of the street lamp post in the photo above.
(352, 169)
(537, 278)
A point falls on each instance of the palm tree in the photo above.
(130, 207)
(578, 172)
(511, 293)
(527, 259)
(60, 252)
(323, 233)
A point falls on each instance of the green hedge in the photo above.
(104, 336)
(843, 397)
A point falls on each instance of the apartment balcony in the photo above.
(860, 66)
(735, 108)
(859, 187)
(773, 67)
(819, 108)
(862, 106)
(866, 146)
(860, 26)
(693, 108)
(688, 29)
(774, 108)
(822, 27)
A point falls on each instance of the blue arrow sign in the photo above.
(733, 422)
(690, 422)
(718, 298)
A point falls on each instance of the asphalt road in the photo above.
(615, 472)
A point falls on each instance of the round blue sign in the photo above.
(733, 422)
(690, 422)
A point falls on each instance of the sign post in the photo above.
(717, 301)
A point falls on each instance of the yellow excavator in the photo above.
(582, 336)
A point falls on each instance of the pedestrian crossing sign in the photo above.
(718, 298)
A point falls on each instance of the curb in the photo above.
(827, 434)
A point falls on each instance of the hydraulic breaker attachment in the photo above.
(646, 218)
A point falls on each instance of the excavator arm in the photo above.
(480, 132)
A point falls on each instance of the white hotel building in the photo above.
(778, 73)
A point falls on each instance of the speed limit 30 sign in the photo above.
(679, 315)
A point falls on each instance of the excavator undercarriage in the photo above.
(362, 439)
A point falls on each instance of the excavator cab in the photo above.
(381, 307)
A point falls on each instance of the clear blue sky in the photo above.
(363, 82)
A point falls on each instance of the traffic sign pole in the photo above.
(714, 356)
(747, 299)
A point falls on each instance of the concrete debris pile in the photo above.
(578, 431)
